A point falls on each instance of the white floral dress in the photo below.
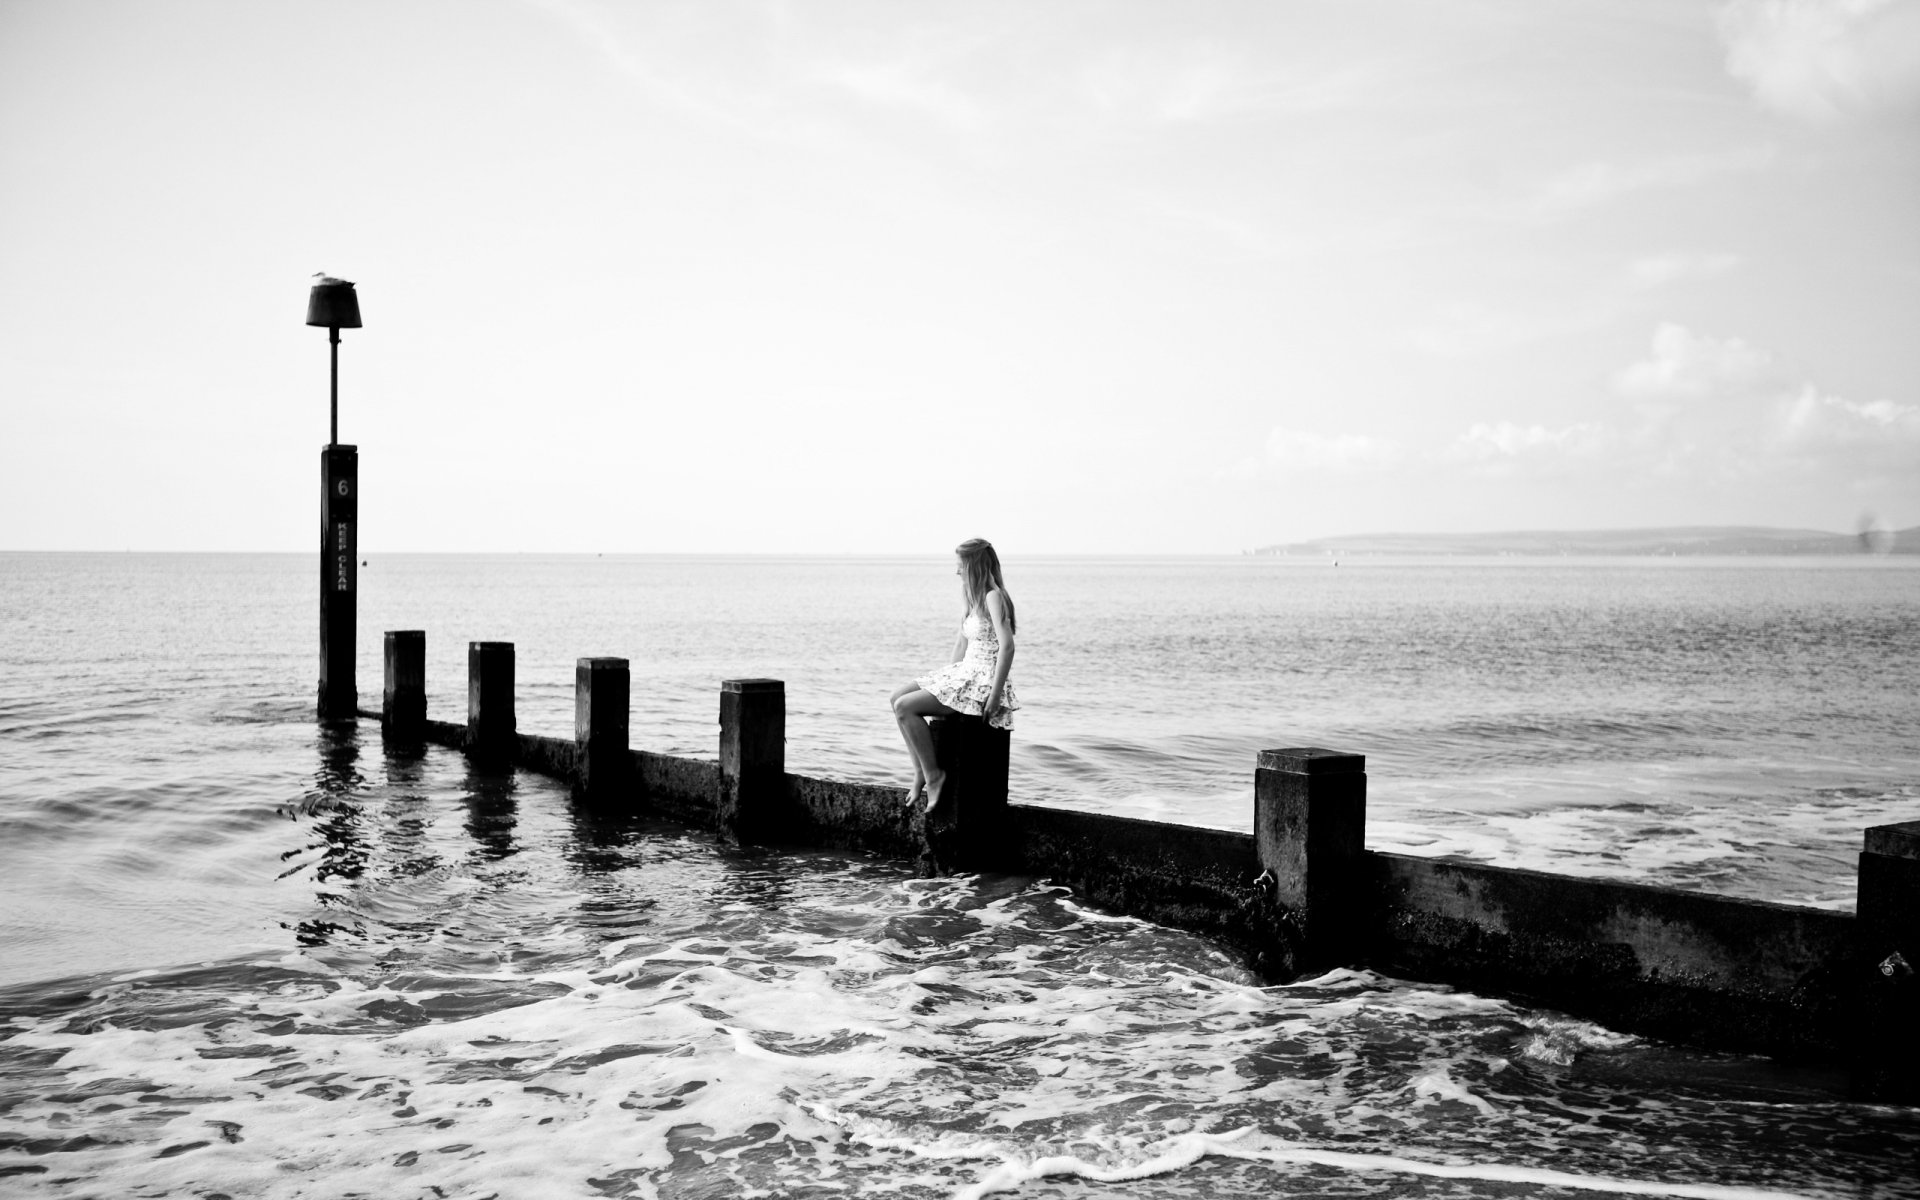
(964, 686)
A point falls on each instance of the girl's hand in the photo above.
(991, 707)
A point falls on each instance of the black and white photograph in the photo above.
(1059, 599)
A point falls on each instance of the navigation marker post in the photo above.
(334, 305)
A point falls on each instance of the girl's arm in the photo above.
(997, 610)
(960, 643)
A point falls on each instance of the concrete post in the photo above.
(403, 707)
(339, 579)
(1309, 825)
(753, 759)
(971, 827)
(1887, 911)
(600, 703)
(491, 732)
(1889, 898)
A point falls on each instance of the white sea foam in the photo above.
(1439, 1085)
(1247, 1143)
(1025, 1041)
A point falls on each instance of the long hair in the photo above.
(980, 568)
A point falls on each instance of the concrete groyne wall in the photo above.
(1298, 893)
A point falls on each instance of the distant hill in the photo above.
(1690, 539)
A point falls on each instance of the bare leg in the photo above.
(918, 792)
(910, 710)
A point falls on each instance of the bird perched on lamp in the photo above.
(333, 303)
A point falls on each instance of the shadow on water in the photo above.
(406, 818)
(339, 784)
(492, 801)
(338, 832)
(756, 880)
(612, 864)
(605, 838)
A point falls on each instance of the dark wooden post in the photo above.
(753, 759)
(339, 578)
(1309, 825)
(491, 732)
(403, 707)
(1887, 915)
(970, 828)
(600, 704)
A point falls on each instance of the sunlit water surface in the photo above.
(245, 956)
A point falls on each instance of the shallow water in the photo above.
(491, 991)
(243, 955)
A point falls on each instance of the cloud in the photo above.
(1876, 434)
(1298, 449)
(1506, 441)
(910, 84)
(1204, 81)
(761, 71)
(1732, 438)
(1685, 363)
(1591, 184)
(1498, 446)
(604, 40)
(1825, 60)
(1713, 413)
(1659, 270)
(1165, 88)
(1740, 419)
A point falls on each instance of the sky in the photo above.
(760, 277)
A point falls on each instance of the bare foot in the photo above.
(935, 788)
(916, 793)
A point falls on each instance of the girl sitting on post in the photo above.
(975, 683)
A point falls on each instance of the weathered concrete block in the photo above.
(550, 756)
(753, 803)
(970, 831)
(601, 698)
(1309, 825)
(1887, 1058)
(683, 789)
(1895, 841)
(1181, 875)
(491, 729)
(865, 817)
(1889, 892)
(403, 706)
(1741, 975)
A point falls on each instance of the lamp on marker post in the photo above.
(334, 304)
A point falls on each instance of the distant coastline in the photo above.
(1677, 540)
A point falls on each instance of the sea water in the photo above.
(241, 954)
